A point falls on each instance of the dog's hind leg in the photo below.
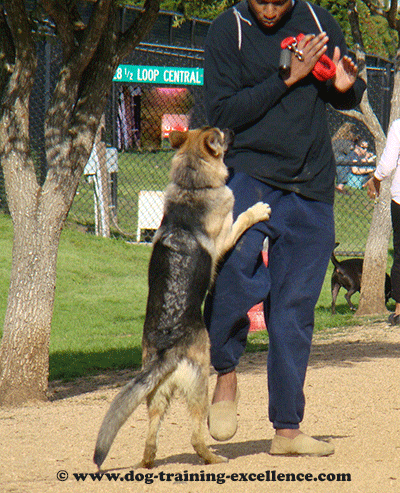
(335, 290)
(348, 296)
(197, 400)
(157, 405)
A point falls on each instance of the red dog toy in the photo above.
(324, 69)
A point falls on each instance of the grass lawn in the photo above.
(99, 304)
(101, 298)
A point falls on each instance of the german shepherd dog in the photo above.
(196, 230)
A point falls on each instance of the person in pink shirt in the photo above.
(388, 166)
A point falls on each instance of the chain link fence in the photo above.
(139, 119)
(159, 88)
(353, 209)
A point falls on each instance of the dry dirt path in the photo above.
(353, 396)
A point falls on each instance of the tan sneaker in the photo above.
(222, 419)
(301, 445)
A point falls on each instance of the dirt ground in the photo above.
(353, 398)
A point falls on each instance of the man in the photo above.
(282, 154)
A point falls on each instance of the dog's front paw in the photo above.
(261, 211)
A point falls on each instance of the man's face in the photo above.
(269, 12)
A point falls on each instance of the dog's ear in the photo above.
(214, 141)
(229, 137)
(177, 138)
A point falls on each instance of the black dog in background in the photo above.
(347, 274)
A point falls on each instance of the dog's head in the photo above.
(199, 159)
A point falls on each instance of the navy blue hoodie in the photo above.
(282, 133)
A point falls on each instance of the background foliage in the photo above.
(378, 38)
(204, 9)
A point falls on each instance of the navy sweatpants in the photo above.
(301, 240)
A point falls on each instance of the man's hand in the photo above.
(312, 48)
(346, 72)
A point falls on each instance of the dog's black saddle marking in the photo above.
(179, 277)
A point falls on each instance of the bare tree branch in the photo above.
(355, 24)
(92, 36)
(142, 24)
(7, 52)
(61, 18)
(24, 44)
(111, 50)
(19, 25)
(375, 9)
(357, 115)
(25, 53)
(59, 117)
(392, 14)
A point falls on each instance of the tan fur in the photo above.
(198, 176)
(221, 231)
(191, 379)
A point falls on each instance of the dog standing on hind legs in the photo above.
(196, 230)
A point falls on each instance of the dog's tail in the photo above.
(126, 402)
(334, 260)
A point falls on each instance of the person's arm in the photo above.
(346, 100)
(373, 187)
(388, 161)
(346, 89)
(390, 155)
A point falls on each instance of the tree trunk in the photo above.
(39, 213)
(26, 335)
(372, 298)
(24, 350)
(38, 218)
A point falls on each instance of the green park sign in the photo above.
(159, 75)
